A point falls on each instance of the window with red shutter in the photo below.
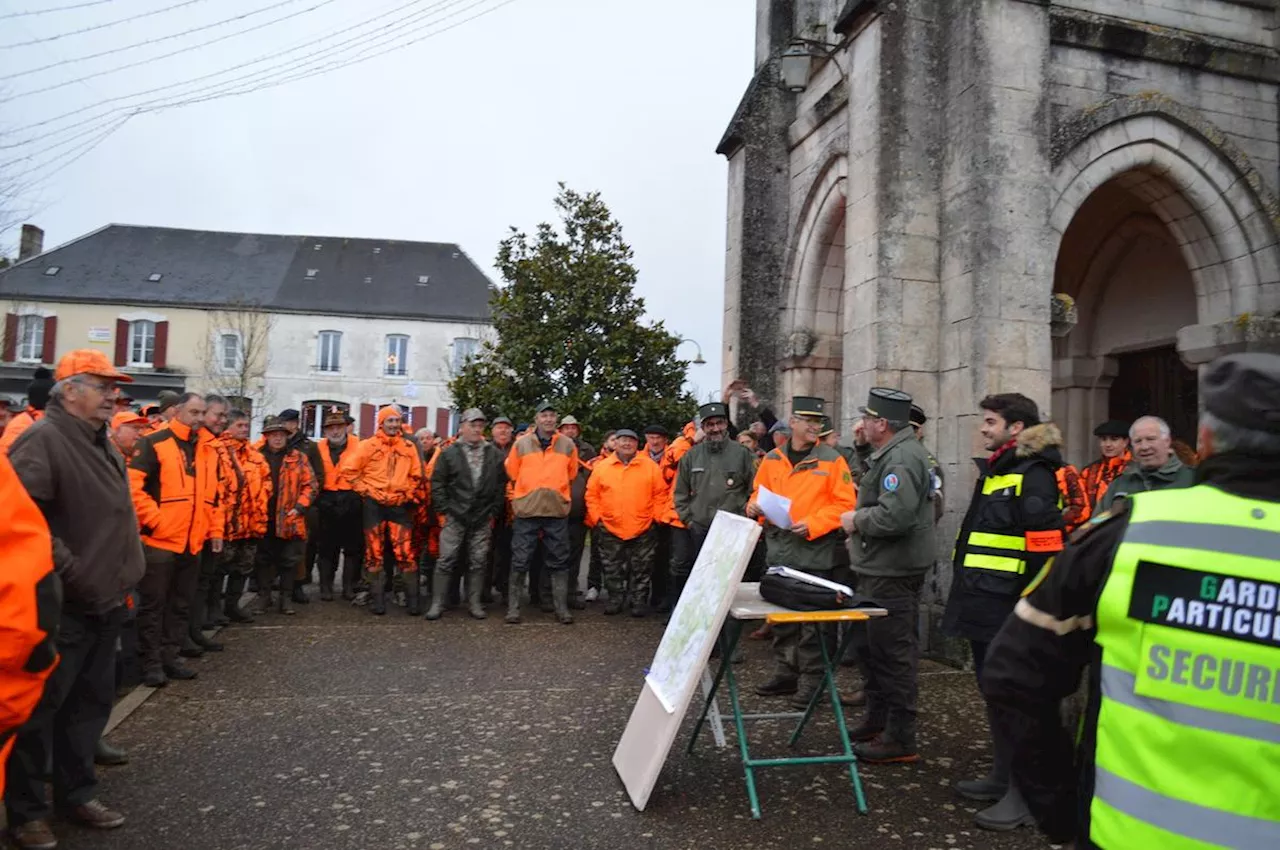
(161, 357)
(122, 343)
(50, 349)
(10, 337)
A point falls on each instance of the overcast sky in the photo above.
(451, 139)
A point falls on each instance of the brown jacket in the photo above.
(78, 480)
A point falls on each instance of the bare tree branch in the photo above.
(238, 372)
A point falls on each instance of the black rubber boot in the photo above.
(515, 587)
(287, 595)
(349, 570)
(439, 592)
(412, 593)
(475, 593)
(560, 597)
(995, 784)
(106, 755)
(327, 570)
(378, 590)
(262, 605)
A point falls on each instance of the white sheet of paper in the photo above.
(777, 509)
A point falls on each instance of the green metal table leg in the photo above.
(840, 724)
(726, 658)
(736, 706)
(817, 695)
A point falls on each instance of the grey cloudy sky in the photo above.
(453, 138)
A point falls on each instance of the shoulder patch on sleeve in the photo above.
(1119, 508)
(890, 482)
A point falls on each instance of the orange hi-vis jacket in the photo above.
(30, 607)
(627, 498)
(679, 447)
(542, 479)
(244, 489)
(296, 489)
(332, 480)
(1097, 476)
(820, 487)
(17, 425)
(174, 477)
(385, 469)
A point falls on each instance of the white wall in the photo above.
(293, 376)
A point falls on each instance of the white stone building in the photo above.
(276, 322)
(903, 210)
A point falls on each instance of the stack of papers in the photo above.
(776, 509)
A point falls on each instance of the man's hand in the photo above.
(847, 523)
(216, 545)
(292, 512)
(800, 529)
(859, 438)
(753, 510)
(698, 436)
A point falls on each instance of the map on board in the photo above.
(696, 620)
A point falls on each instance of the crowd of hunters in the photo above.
(130, 534)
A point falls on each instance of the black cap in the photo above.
(1244, 390)
(657, 429)
(290, 415)
(917, 415)
(1112, 428)
(807, 405)
(712, 409)
(545, 404)
(888, 403)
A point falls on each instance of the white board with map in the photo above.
(683, 653)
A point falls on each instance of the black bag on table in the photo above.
(800, 595)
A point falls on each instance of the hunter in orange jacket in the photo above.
(244, 491)
(386, 471)
(542, 477)
(820, 488)
(294, 489)
(626, 498)
(30, 607)
(174, 477)
(16, 426)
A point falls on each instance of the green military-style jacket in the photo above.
(711, 479)
(893, 523)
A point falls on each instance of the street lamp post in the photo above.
(697, 360)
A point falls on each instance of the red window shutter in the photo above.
(10, 337)
(122, 342)
(50, 340)
(161, 357)
(418, 417)
(442, 422)
(368, 420)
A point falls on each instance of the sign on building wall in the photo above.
(99, 333)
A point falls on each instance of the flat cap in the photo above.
(503, 420)
(656, 429)
(569, 420)
(1244, 390)
(289, 415)
(544, 405)
(471, 414)
(166, 399)
(626, 432)
(1112, 428)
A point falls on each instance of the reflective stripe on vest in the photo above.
(1188, 735)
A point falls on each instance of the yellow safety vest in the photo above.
(1188, 728)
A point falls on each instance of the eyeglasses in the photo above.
(107, 388)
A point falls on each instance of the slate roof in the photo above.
(299, 274)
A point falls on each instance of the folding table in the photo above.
(749, 605)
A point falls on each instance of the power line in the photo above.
(96, 27)
(149, 60)
(79, 151)
(151, 41)
(55, 9)
(263, 58)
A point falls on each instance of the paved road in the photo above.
(335, 729)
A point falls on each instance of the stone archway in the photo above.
(1161, 234)
(813, 323)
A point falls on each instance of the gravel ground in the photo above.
(334, 729)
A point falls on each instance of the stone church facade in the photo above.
(952, 168)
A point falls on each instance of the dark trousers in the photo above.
(553, 532)
(500, 555)
(278, 558)
(595, 567)
(68, 721)
(167, 588)
(890, 658)
(577, 543)
(979, 650)
(205, 577)
(661, 563)
(686, 543)
(339, 530)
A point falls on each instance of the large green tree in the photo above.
(570, 329)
